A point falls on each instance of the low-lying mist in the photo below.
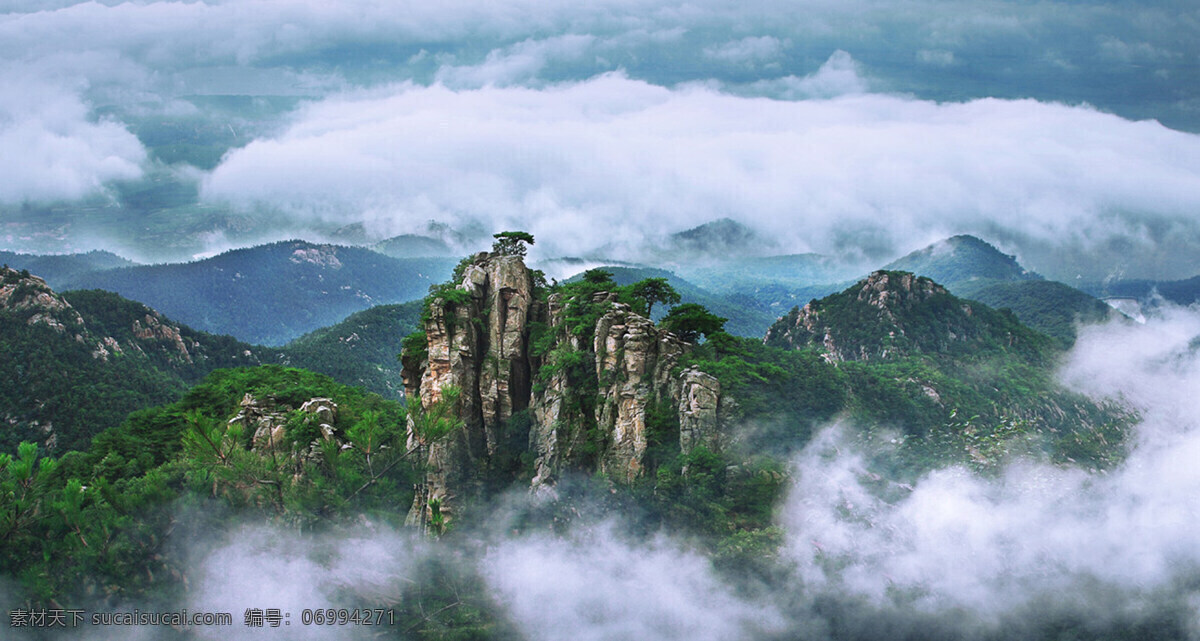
(1034, 551)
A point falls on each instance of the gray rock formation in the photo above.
(593, 396)
(699, 412)
(478, 344)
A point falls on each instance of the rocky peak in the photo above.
(319, 255)
(889, 314)
(889, 291)
(587, 398)
(268, 422)
(21, 292)
(476, 334)
(633, 363)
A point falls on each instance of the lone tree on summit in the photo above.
(511, 243)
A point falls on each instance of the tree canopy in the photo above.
(654, 290)
(511, 243)
(691, 321)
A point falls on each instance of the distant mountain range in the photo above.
(59, 270)
(273, 293)
(972, 268)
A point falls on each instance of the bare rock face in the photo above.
(633, 361)
(20, 291)
(480, 347)
(699, 408)
(268, 422)
(323, 409)
(151, 327)
(555, 436)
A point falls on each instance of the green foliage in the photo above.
(691, 321)
(1049, 307)
(662, 433)
(783, 394)
(653, 290)
(95, 520)
(598, 276)
(435, 423)
(750, 308)
(47, 378)
(362, 349)
(511, 243)
(450, 297)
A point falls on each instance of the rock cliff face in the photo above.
(477, 342)
(589, 399)
(268, 423)
(21, 292)
(633, 365)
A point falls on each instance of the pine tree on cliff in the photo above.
(511, 243)
(654, 290)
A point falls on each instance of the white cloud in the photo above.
(267, 567)
(594, 586)
(839, 76)
(1038, 536)
(522, 62)
(644, 160)
(130, 58)
(53, 150)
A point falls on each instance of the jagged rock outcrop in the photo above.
(23, 292)
(477, 339)
(590, 398)
(150, 327)
(633, 363)
(699, 412)
(268, 422)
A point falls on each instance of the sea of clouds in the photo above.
(860, 128)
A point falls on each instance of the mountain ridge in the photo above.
(271, 294)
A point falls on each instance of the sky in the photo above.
(1062, 131)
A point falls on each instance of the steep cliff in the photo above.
(547, 382)
(477, 342)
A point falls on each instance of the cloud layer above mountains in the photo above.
(860, 171)
(868, 125)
